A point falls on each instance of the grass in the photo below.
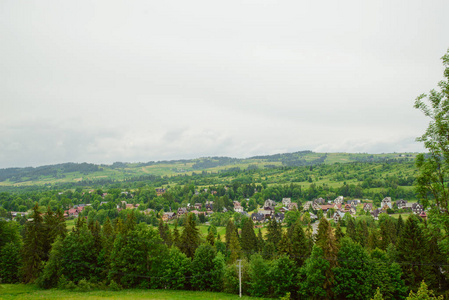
(21, 291)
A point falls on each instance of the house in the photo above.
(423, 215)
(279, 217)
(307, 205)
(338, 215)
(319, 201)
(353, 211)
(339, 199)
(198, 206)
(182, 211)
(368, 207)
(417, 208)
(258, 217)
(313, 216)
(168, 216)
(267, 211)
(401, 203)
(347, 207)
(292, 206)
(269, 203)
(237, 206)
(376, 214)
(326, 207)
(286, 201)
(160, 192)
(209, 207)
(353, 203)
(283, 209)
(130, 206)
(386, 201)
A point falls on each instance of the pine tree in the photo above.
(234, 247)
(339, 233)
(285, 245)
(33, 248)
(230, 229)
(260, 241)
(248, 239)
(373, 241)
(168, 236)
(210, 238)
(300, 250)
(176, 236)
(413, 254)
(350, 228)
(274, 233)
(326, 241)
(190, 237)
(399, 226)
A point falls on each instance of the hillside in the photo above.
(77, 173)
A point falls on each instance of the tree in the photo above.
(33, 250)
(202, 267)
(351, 276)
(423, 293)
(431, 181)
(10, 263)
(413, 254)
(313, 284)
(190, 237)
(258, 273)
(248, 238)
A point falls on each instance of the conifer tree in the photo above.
(338, 233)
(33, 248)
(260, 241)
(210, 238)
(176, 236)
(300, 250)
(234, 247)
(285, 246)
(413, 254)
(274, 232)
(373, 241)
(326, 241)
(248, 239)
(350, 228)
(190, 237)
(230, 229)
(168, 236)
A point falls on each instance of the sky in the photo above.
(138, 81)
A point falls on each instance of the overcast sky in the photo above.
(105, 81)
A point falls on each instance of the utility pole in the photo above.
(240, 277)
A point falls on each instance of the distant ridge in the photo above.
(67, 172)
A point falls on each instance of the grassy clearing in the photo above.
(20, 291)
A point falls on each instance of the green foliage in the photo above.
(258, 273)
(10, 261)
(352, 274)
(203, 267)
(434, 168)
(313, 282)
(190, 237)
(33, 250)
(423, 293)
(282, 275)
(413, 253)
(176, 269)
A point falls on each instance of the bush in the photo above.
(114, 286)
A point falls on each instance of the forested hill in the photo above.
(119, 171)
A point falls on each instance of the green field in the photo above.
(20, 291)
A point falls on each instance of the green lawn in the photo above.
(20, 291)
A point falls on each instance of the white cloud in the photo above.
(138, 81)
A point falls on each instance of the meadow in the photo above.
(21, 291)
